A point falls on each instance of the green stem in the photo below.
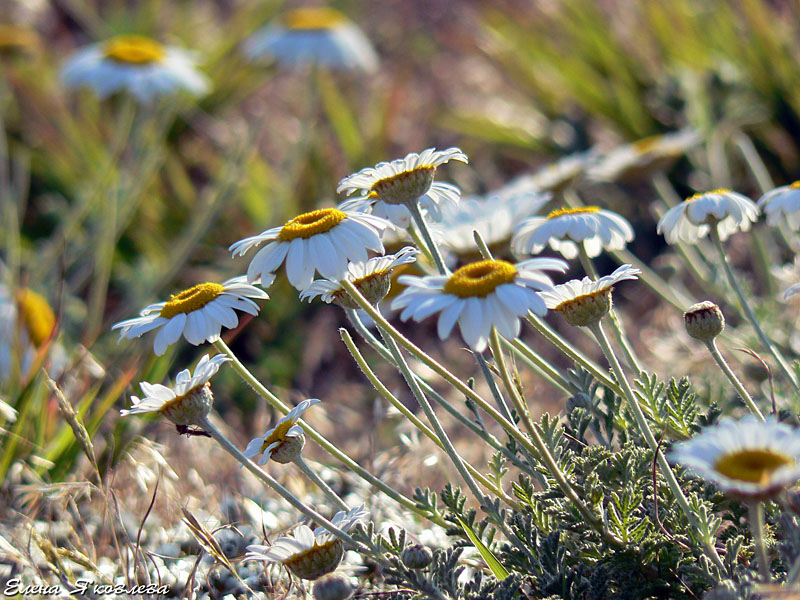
(259, 388)
(647, 433)
(755, 514)
(723, 364)
(537, 363)
(301, 464)
(748, 311)
(231, 449)
(419, 221)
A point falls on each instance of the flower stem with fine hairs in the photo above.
(740, 389)
(755, 514)
(319, 482)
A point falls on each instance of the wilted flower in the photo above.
(283, 442)
(389, 186)
(321, 240)
(136, 64)
(316, 35)
(198, 313)
(479, 296)
(748, 458)
(585, 301)
(565, 228)
(690, 220)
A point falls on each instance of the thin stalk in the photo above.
(740, 389)
(261, 390)
(748, 311)
(419, 221)
(755, 514)
(427, 431)
(616, 324)
(301, 464)
(537, 363)
(647, 433)
(231, 449)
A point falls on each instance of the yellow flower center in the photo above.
(754, 466)
(37, 316)
(560, 212)
(701, 194)
(480, 278)
(13, 37)
(278, 434)
(794, 185)
(191, 300)
(647, 144)
(314, 17)
(406, 186)
(134, 50)
(311, 223)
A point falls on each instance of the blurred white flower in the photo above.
(198, 313)
(316, 35)
(321, 240)
(565, 228)
(748, 458)
(389, 186)
(690, 220)
(135, 64)
(479, 296)
(782, 203)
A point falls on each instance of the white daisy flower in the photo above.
(585, 301)
(309, 554)
(791, 291)
(565, 228)
(185, 403)
(655, 153)
(141, 66)
(316, 35)
(494, 216)
(321, 240)
(690, 220)
(198, 313)
(389, 186)
(782, 202)
(372, 278)
(479, 296)
(748, 458)
(282, 441)
(560, 174)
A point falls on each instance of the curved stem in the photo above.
(231, 449)
(419, 221)
(755, 514)
(647, 433)
(748, 311)
(259, 388)
(319, 482)
(741, 390)
(537, 363)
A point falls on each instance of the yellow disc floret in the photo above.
(480, 278)
(709, 193)
(37, 316)
(794, 185)
(192, 299)
(313, 18)
(311, 223)
(754, 466)
(134, 50)
(560, 212)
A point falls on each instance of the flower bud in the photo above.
(333, 588)
(704, 321)
(416, 557)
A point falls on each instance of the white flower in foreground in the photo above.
(494, 216)
(372, 278)
(283, 442)
(141, 66)
(782, 202)
(198, 313)
(309, 554)
(690, 220)
(479, 296)
(185, 403)
(655, 153)
(748, 458)
(389, 186)
(586, 301)
(321, 240)
(316, 35)
(565, 228)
